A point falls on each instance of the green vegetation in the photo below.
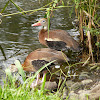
(89, 24)
(87, 13)
(11, 91)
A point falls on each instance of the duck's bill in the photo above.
(36, 24)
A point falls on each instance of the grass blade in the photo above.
(9, 75)
(43, 85)
(20, 69)
(5, 7)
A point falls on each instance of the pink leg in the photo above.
(37, 80)
(36, 83)
(43, 76)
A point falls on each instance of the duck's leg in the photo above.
(37, 82)
(44, 73)
(38, 76)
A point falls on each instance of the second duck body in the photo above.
(57, 39)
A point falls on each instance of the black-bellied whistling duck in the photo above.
(57, 39)
(36, 59)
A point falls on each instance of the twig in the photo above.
(86, 62)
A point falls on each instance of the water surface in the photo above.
(18, 38)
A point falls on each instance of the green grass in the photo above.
(13, 93)
(10, 91)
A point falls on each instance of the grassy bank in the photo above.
(13, 89)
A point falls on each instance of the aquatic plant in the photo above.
(87, 13)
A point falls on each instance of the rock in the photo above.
(95, 92)
(73, 85)
(73, 96)
(50, 85)
(69, 83)
(84, 75)
(83, 94)
(87, 81)
(76, 86)
(13, 68)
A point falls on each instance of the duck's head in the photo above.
(42, 22)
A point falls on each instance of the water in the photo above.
(18, 38)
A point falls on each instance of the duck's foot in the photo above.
(35, 84)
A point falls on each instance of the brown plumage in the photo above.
(36, 59)
(44, 55)
(58, 39)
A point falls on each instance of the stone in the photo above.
(84, 75)
(76, 86)
(13, 68)
(83, 94)
(95, 92)
(50, 85)
(69, 83)
(73, 96)
(87, 81)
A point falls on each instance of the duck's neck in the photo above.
(42, 31)
(45, 28)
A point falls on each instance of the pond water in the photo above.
(18, 38)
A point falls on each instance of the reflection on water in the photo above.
(18, 38)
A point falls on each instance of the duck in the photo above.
(39, 57)
(57, 39)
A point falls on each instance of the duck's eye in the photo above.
(43, 21)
